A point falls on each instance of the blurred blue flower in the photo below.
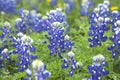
(71, 63)
(54, 2)
(97, 69)
(5, 55)
(29, 21)
(70, 5)
(8, 6)
(86, 6)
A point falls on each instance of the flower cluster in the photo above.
(115, 48)
(5, 55)
(70, 5)
(39, 71)
(24, 49)
(97, 70)
(71, 63)
(28, 21)
(85, 6)
(6, 35)
(8, 6)
(99, 21)
(58, 41)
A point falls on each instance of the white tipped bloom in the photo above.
(29, 72)
(33, 13)
(26, 12)
(5, 50)
(100, 19)
(107, 19)
(71, 54)
(45, 17)
(59, 9)
(27, 40)
(56, 24)
(38, 65)
(47, 72)
(118, 22)
(67, 37)
(18, 20)
(7, 24)
(96, 10)
(20, 34)
(117, 30)
(106, 2)
(98, 59)
(79, 64)
(115, 12)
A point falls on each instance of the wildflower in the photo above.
(97, 70)
(53, 2)
(71, 63)
(70, 5)
(86, 5)
(115, 48)
(39, 71)
(5, 55)
(24, 49)
(29, 21)
(99, 24)
(58, 42)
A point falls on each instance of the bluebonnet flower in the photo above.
(5, 55)
(86, 6)
(8, 6)
(70, 5)
(54, 2)
(24, 49)
(59, 17)
(115, 48)
(6, 35)
(59, 42)
(97, 69)
(99, 21)
(71, 63)
(28, 21)
(39, 71)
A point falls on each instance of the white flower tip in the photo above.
(56, 24)
(100, 19)
(25, 12)
(5, 50)
(7, 24)
(106, 2)
(38, 65)
(29, 72)
(18, 20)
(99, 58)
(79, 64)
(45, 17)
(96, 10)
(59, 9)
(115, 12)
(67, 37)
(20, 34)
(118, 22)
(71, 54)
